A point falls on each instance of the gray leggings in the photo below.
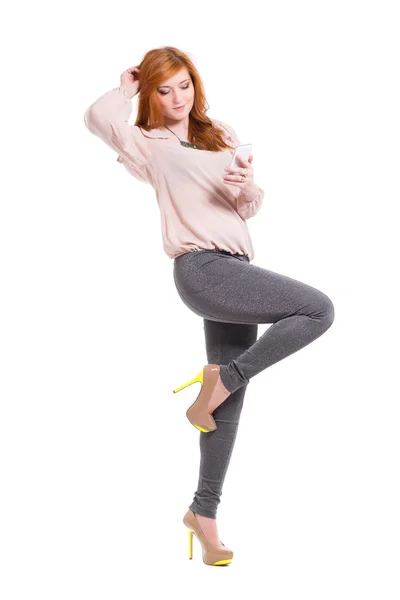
(233, 296)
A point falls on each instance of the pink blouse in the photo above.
(198, 210)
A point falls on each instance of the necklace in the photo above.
(187, 144)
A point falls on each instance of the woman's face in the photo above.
(175, 92)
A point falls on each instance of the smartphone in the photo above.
(243, 150)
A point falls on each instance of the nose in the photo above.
(178, 99)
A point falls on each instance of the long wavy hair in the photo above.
(160, 64)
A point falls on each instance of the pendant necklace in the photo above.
(187, 144)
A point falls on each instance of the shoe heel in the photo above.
(199, 378)
(190, 540)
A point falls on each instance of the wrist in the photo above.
(126, 92)
(250, 191)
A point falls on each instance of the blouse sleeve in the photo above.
(107, 118)
(248, 202)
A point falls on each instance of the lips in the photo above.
(178, 107)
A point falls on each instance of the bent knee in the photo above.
(322, 309)
(328, 310)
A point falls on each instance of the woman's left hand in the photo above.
(233, 175)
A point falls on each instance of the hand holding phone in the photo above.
(242, 157)
(243, 150)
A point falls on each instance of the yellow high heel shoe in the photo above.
(197, 413)
(212, 554)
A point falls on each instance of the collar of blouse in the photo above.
(156, 133)
(159, 133)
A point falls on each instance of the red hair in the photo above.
(158, 65)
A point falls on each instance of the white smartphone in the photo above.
(243, 150)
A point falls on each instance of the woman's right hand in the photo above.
(130, 81)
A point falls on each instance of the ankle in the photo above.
(205, 519)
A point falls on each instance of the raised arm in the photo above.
(107, 118)
(248, 202)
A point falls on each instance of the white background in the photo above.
(98, 461)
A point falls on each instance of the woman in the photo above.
(204, 206)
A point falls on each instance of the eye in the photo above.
(184, 88)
